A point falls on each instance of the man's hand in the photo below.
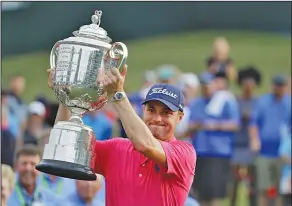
(114, 80)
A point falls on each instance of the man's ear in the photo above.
(180, 116)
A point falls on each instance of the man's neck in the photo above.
(88, 200)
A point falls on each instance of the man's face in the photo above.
(207, 89)
(88, 189)
(25, 166)
(248, 85)
(35, 122)
(161, 120)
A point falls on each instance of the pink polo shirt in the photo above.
(132, 179)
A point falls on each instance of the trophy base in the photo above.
(66, 169)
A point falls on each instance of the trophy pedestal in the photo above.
(70, 151)
(66, 169)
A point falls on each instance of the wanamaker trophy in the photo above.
(79, 62)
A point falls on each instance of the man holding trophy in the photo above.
(149, 168)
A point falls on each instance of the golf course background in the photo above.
(270, 52)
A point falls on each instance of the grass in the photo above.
(270, 52)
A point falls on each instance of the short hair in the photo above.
(29, 150)
(8, 174)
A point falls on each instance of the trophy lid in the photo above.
(93, 31)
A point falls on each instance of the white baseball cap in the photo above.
(37, 108)
(189, 79)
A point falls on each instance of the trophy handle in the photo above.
(53, 56)
(117, 55)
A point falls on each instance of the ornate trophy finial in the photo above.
(96, 17)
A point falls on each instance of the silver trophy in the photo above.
(79, 62)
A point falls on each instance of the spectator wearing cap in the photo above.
(213, 124)
(34, 126)
(248, 79)
(272, 113)
(167, 74)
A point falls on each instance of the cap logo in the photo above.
(160, 90)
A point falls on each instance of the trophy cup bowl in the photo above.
(79, 63)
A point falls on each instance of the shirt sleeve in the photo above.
(102, 154)
(181, 158)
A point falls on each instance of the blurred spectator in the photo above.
(86, 193)
(191, 202)
(272, 113)
(8, 181)
(138, 97)
(212, 68)
(189, 84)
(286, 181)
(217, 118)
(58, 185)
(242, 160)
(8, 140)
(167, 74)
(27, 191)
(11, 119)
(99, 123)
(221, 58)
(289, 86)
(15, 104)
(34, 125)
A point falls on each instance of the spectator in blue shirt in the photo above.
(27, 191)
(87, 193)
(191, 202)
(286, 180)
(58, 185)
(99, 123)
(214, 121)
(242, 159)
(273, 112)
